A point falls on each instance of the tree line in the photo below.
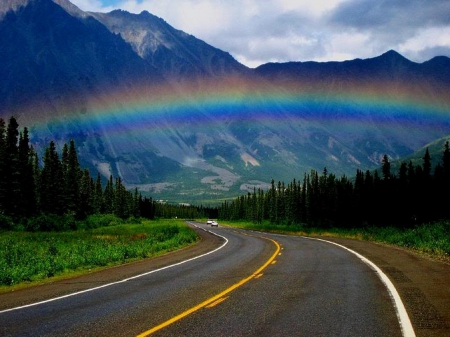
(414, 194)
(56, 185)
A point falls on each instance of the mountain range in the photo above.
(184, 121)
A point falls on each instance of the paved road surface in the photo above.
(308, 288)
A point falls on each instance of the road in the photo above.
(251, 284)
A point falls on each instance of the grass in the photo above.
(32, 257)
(432, 240)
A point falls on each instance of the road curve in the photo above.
(311, 289)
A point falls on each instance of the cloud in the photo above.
(256, 32)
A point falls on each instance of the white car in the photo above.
(214, 224)
(209, 222)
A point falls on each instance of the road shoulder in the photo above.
(423, 283)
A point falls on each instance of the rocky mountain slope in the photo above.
(184, 121)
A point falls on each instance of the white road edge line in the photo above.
(124, 280)
(402, 315)
(403, 318)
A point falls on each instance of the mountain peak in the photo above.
(71, 8)
(393, 56)
(392, 53)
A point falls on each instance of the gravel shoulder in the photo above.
(423, 283)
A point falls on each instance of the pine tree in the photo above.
(27, 201)
(446, 181)
(73, 175)
(2, 166)
(34, 160)
(426, 165)
(86, 195)
(98, 195)
(446, 160)
(11, 174)
(136, 201)
(120, 205)
(51, 183)
(108, 197)
(272, 204)
(386, 168)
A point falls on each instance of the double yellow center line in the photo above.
(217, 298)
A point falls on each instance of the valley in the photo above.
(184, 121)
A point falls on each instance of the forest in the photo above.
(54, 193)
(416, 194)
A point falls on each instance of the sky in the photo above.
(259, 31)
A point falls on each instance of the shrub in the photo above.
(51, 223)
(102, 220)
(6, 222)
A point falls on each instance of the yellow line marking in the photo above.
(220, 300)
(216, 297)
(273, 262)
(259, 275)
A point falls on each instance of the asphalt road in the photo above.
(252, 284)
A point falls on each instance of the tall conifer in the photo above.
(11, 170)
(2, 166)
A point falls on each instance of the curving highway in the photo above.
(252, 284)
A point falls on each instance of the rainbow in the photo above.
(126, 131)
(153, 109)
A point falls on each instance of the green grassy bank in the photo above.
(431, 239)
(27, 257)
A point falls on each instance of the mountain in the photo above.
(184, 121)
(47, 53)
(176, 53)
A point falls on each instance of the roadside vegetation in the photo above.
(408, 208)
(27, 257)
(54, 193)
(56, 219)
(432, 240)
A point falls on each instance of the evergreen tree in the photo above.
(72, 175)
(98, 195)
(446, 160)
(3, 167)
(26, 201)
(51, 183)
(136, 202)
(108, 197)
(86, 195)
(271, 201)
(11, 174)
(445, 186)
(120, 203)
(36, 171)
(386, 168)
(426, 195)
(426, 165)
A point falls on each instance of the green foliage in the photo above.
(26, 256)
(432, 239)
(61, 196)
(6, 222)
(101, 220)
(50, 223)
